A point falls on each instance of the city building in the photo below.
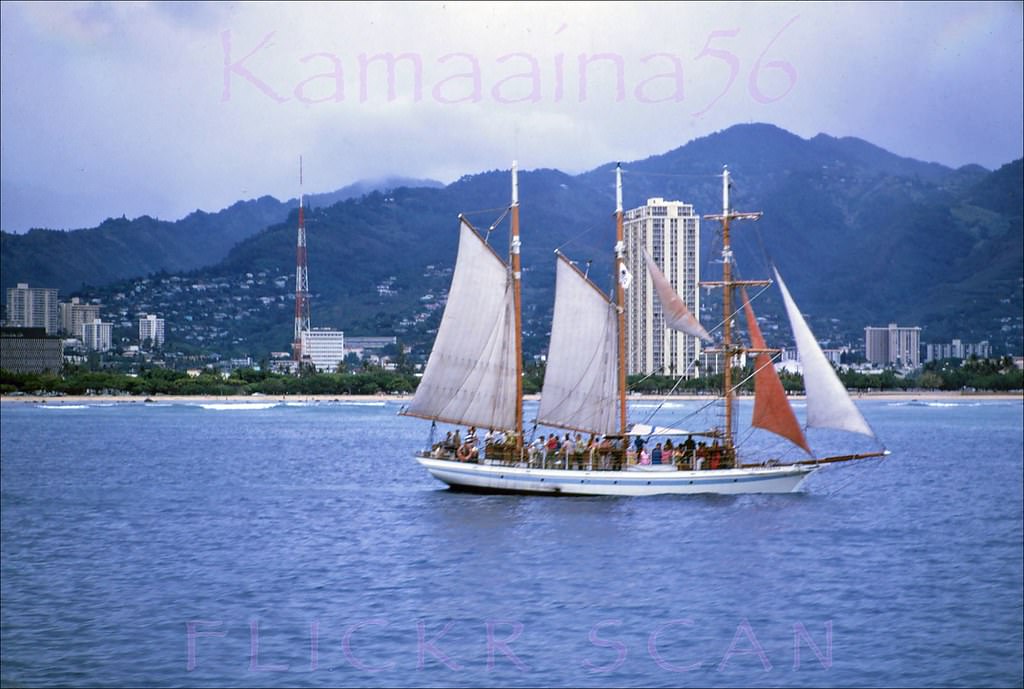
(75, 314)
(30, 350)
(893, 346)
(97, 335)
(957, 350)
(151, 328)
(33, 307)
(669, 231)
(324, 347)
(361, 346)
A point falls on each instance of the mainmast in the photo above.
(517, 302)
(301, 280)
(728, 349)
(620, 299)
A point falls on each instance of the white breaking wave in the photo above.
(243, 406)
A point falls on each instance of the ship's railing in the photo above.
(584, 459)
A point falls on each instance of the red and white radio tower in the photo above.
(301, 280)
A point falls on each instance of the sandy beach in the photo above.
(201, 399)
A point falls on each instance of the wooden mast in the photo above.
(727, 307)
(620, 299)
(517, 302)
(727, 284)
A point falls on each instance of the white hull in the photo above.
(486, 478)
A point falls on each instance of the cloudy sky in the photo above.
(159, 109)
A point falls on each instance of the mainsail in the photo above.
(828, 403)
(772, 410)
(580, 382)
(470, 378)
(676, 315)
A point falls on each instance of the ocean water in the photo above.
(300, 545)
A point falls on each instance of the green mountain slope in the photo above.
(862, 237)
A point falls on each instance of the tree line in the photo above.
(992, 375)
(988, 375)
(162, 381)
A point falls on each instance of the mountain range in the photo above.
(862, 236)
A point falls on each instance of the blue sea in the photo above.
(275, 544)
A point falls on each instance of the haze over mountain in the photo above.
(862, 236)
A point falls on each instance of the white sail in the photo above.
(581, 379)
(828, 403)
(470, 378)
(673, 308)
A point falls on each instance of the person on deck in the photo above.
(536, 449)
(551, 449)
(690, 448)
(656, 454)
(701, 454)
(567, 450)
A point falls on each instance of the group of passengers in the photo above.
(550, 451)
(573, 452)
(686, 455)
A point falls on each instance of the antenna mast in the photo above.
(301, 280)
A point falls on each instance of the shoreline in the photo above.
(898, 396)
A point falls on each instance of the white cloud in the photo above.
(123, 105)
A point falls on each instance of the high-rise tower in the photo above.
(669, 232)
(301, 280)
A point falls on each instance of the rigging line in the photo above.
(650, 375)
(683, 419)
(764, 251)
(708, 404)
(572, 239)
(701, 175)
(864, 464)
(756, 370)
(486, 210)
(670, 392)
(490, 228)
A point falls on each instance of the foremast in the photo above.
(729, 349)
(517, 274)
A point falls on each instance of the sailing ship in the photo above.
(473, 379)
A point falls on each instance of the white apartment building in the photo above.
(670, 233)
(324, 347)
(33, 307)
(958, 350)
(152, 328)
(893, 346)
(97, 335)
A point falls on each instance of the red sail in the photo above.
(771, 407)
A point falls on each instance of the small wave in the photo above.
(62, 406)
(239, 406)
(919, 403)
